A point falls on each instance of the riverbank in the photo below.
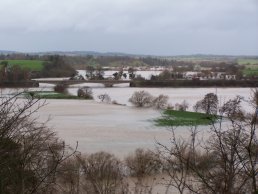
(195, 83)
(19, 84)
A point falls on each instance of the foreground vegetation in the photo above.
(34, 160)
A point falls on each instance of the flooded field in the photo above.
(119, 129)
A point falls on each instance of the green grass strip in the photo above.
(51, 95)
(184, 118)
(34, 65)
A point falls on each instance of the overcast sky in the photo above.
(159, 27)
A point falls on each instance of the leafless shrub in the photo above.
(182, 107)
(102, 173)
(85, 92)
(104, 98)
(141, 99)
(69, 176)
(209, 104)
(161, 102)
(60, 88)
(142, 165)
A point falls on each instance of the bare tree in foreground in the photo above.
(143, 165)
(224, 163)
(102, 173)
(30, 153)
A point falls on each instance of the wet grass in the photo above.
(247, 61)
(184, 118)
(52, 95)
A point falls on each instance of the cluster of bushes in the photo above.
(102, 172)
(85, 92)
(145, 99)
(13, 73)
(56, 66)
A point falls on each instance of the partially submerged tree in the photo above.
(85, 92)
(90, 72)
(61, 88)
(142, 164)
(102, 173)
(104, 98)
(209, 104)
(131, 72)
(182, 107)
(160, 102)
(141, 99)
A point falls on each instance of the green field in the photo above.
(184, 118)
(247, 61)
(33, 65)
(51, 95)
(251, 72)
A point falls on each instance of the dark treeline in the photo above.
(54, 66)
(194, 83)
(81, 61)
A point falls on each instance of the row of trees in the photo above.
(208, 105)
(55, 66)
(145, 99)
(97, 73)
(13, 73)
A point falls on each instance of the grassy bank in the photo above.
(34, 65)
(52, 95)
(244, 61)
(184, 118)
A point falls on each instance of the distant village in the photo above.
(197, 73)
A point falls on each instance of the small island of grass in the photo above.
(184, 118)
(51, 95)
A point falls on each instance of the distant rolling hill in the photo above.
(4, 52)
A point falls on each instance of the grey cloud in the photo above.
(137, 26)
